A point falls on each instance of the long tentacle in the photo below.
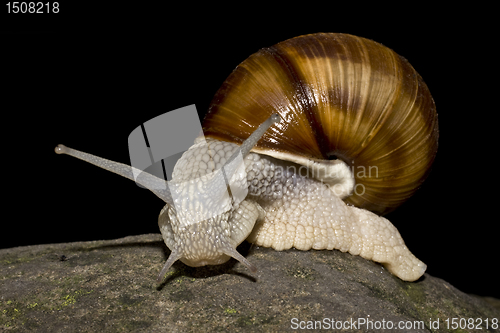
(157, 185)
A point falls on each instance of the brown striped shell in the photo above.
(340, 96)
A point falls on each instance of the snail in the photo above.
(306, 145)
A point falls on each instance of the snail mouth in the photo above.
(206, 261)
(222, 252)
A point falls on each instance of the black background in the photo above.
(90, 75)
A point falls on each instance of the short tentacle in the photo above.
(236, 255)
(173, 257)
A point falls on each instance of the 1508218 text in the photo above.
(32, 7)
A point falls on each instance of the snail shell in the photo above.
(340, 96)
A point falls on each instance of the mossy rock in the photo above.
(109, 286)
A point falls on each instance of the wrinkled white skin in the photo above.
(282, 210)
(272, 203)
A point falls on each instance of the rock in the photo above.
(109, 286)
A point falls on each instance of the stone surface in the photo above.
(109, 286)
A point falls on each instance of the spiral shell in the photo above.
(340, 96)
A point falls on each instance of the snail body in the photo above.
(329, 106)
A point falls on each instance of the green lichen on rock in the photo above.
(110, 286)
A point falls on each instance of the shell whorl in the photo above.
(340, 96)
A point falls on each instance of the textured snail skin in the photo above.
(283, 210)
